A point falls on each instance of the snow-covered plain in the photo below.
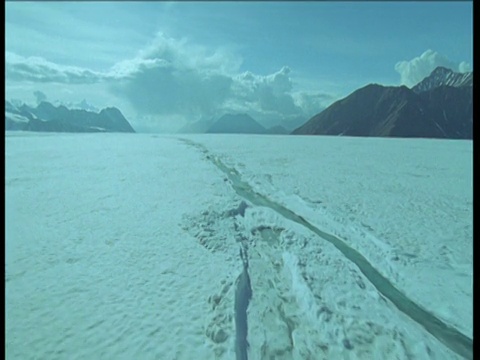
(122, 246)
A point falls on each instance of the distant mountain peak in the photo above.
(110, 110)
(390, 111)
(441, 70)
(46, 105)
(442, 76)
(236, 124)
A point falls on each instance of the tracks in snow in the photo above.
(449, 336)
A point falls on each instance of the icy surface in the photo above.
(97, 263)
(127, 245)
(405, 204)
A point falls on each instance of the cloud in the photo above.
(172, 76)
(168, 90)
(267, 93)
(312, 103)
(82, 105)
(464, 67)
(415, 70)
(273, 94)
(37, 69)
(183, 54)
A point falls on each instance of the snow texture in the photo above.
(128, 245)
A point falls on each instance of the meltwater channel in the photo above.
(451, 337)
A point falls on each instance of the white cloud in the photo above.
(37, 69)
(311, 103)
(171, 77)
(464, 67)
(268, 93)
(415, 70)
(82, 105)
(174, 77)
(182, 54)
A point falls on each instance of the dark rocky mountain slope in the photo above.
(442, 111)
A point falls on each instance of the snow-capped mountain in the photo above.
(390, 111)
(440, 106)
(443, 76)
(83, 105)
(236, 124)
(47, 117)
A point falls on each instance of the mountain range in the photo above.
(236, 124)
(443, 76)
(49, 118)
(440, 106)
(232, 124)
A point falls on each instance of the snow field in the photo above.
(127, 246)
(97, 263)
(405, 204)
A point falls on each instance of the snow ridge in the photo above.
(444, 77)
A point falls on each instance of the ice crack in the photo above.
(445, 333)
(243, 294)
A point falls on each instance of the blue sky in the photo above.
(165, 64)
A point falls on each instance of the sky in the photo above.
(167, 64)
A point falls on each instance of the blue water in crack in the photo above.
(243, 294)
